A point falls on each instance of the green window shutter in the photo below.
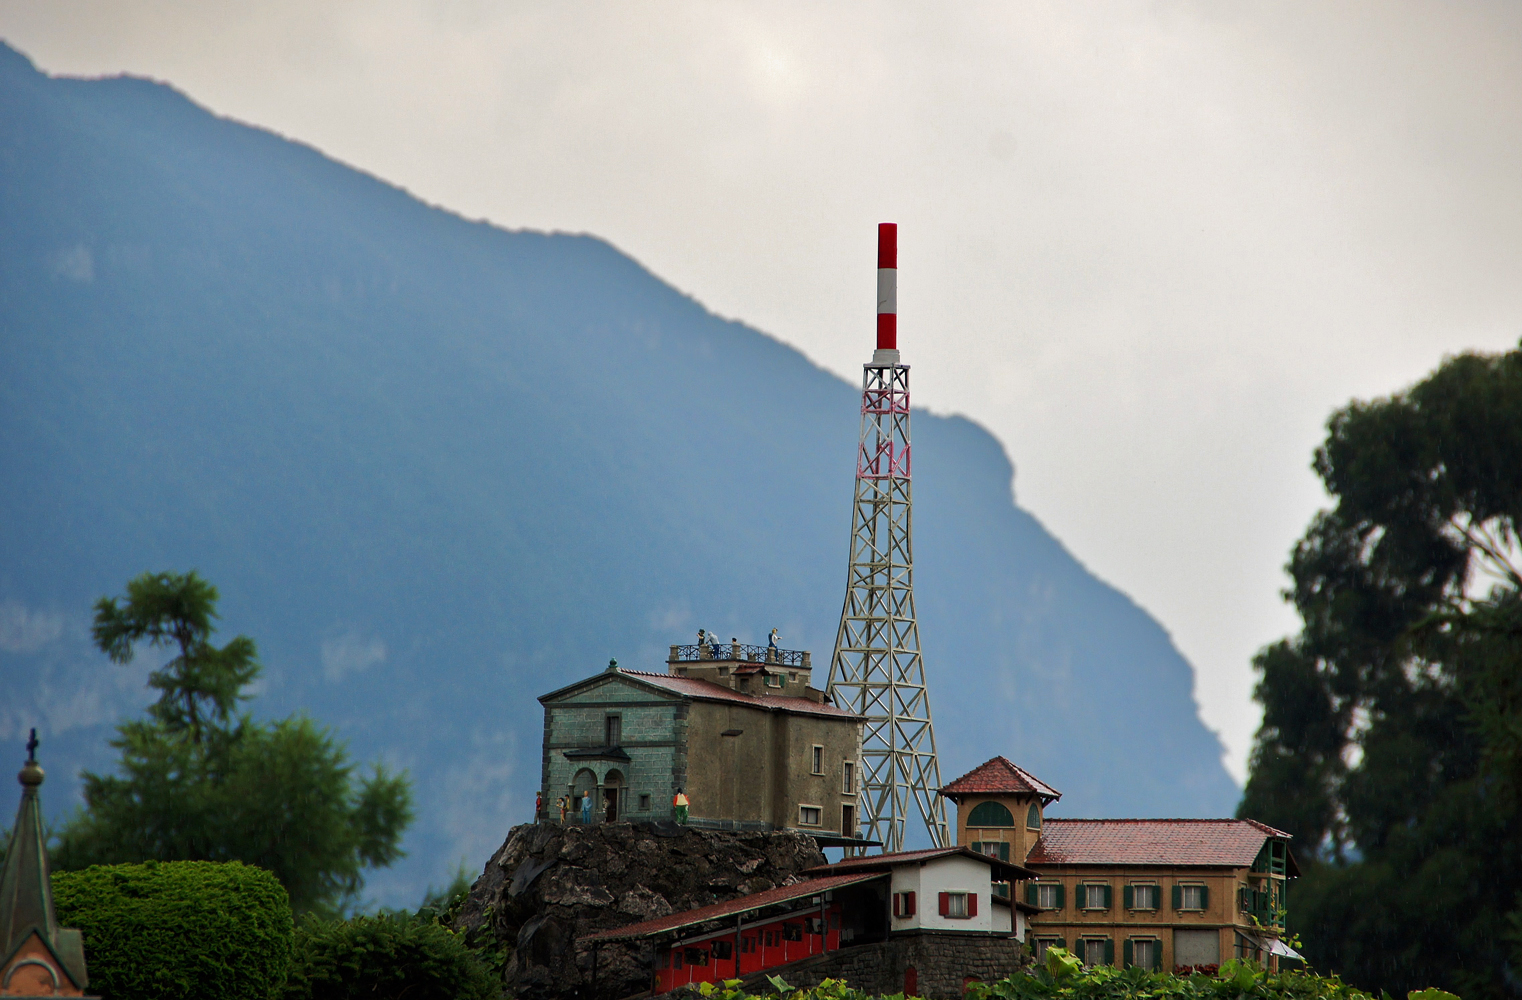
(1003, 852)
(1109, 951)
(1127, 897)
(1062, 896)
(1030, 893)
(1109, 896)
(1204, 897)
(1080, 896)
(1157, 955)
(1078, 949)
(1178, 897)
(1125, 954)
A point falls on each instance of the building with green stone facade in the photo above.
(740, 729)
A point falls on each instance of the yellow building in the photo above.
(1159, 893)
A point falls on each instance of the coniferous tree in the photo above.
(199, 782)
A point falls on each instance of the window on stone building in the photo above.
(1096, 951)
(816, 760)
(1190, 897)
(1144, 953)
(848, 777)
(1142, 896)
(848, 821)
(993, 848)
(613, 731)
(773, 680)
(809, 815)
(644, 803)
(1043, 943)
(1048, 895)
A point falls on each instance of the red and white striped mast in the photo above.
(877, 670)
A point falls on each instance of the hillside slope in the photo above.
(437, 468)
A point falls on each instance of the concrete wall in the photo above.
(1220, 917)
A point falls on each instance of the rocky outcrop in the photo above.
(548, 885)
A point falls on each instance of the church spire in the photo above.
(31, 942)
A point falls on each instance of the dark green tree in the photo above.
(1391, 744)
(198, 782)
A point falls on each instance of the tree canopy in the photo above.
(199, 783)
(1391, 744)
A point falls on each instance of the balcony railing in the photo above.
(740, 652)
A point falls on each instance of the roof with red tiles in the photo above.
(1000, 776)
(744, 904)
(694, 687)
(1233, 843)
(701, 690)
(1003, 870)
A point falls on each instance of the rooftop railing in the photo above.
(740, 652)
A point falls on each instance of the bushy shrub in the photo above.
(173, 929)
(386, 956)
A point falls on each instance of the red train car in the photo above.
(759, 946)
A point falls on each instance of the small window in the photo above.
(792, 932)
(848, 821)
(1144, 953)
(956, 906)
(773, 680)
(808, 815)
(747, 944)
(816, 760)
(1049, 895)
(903, 904)
(1191, 897)
(1043, 943)
(992, 848)
(723, 671)
(1033, 817)
(613, 731)
(644, 803)
(723, 949)
(1097, 951)
(1143, 897)
(848, 778)
(1093, 896)
(792, 678)
(680, 672)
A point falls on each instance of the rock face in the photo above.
(549, 885)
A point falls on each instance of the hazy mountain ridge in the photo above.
(437, 468)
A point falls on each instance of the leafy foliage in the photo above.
(198, 784)
(180, 929)
(1062, 977)
(1391, 744)
(389, 955)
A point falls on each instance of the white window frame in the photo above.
(1050, 887)
(803, 813)
(953, 898)
(1183, 903)
(1087, 885)
(1157, 903)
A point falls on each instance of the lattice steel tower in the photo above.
(877, 669)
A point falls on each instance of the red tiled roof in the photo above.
(755, 901)
(694, 687)
(1231, 843)
(1000, 776)
(884, 861)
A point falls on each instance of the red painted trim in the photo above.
(887, 331)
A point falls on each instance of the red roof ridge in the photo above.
(999, 775)
(709, 689)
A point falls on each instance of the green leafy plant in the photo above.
(191, 929)
(389, 955)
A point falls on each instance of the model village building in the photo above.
(739, 730)
(742, 731)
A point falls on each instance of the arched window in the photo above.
(990, 814)
(1033, 818)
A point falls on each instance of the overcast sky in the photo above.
(1150, 245)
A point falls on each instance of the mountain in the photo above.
(437, 468)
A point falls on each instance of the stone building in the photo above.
(741, 730)
(1159, 893)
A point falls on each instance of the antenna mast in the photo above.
(877, 670)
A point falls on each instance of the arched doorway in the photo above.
(584, 783)
(612, 790)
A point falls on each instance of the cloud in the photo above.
(350, 654)
(24, 631)
(76, 263)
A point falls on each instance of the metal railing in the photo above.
(740, 652)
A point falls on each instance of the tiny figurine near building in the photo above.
(37, 957)
(679, 804)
